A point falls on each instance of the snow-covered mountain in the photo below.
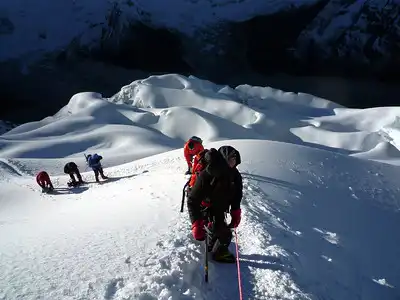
(365, 32)
(43, 26)
(320, 212)
(212, 37)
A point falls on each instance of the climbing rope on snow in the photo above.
(238, 266)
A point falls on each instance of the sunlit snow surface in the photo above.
(320, 207)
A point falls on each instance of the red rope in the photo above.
(238, 267)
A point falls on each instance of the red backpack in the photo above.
(199, 164)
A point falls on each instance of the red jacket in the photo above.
(189, 153)
(43, 179)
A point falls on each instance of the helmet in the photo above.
(196, 139)
(193, 140)
(229, 152)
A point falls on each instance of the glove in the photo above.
(198, 231)
(205, 203)
(236, 217)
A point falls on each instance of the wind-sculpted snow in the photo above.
(160, 113)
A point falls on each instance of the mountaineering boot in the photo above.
(47, 190)
(223, 255)
(72, 183)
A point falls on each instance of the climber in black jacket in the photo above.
(219, 188)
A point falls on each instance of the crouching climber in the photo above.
(72, 169)
(43, 180)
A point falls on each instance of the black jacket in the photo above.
(217, 184)
(71, 167)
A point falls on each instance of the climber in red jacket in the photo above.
(192, 147)
(43, 180)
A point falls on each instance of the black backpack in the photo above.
(215, 163)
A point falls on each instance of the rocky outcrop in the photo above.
(214, 51)
(326, 37)
(271, 40)
(6, 126)
(353, 37)
(216, 38)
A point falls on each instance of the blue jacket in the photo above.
(94, 161)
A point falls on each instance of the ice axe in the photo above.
(183, 194)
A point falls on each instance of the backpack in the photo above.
(199, 164)
(210, 160)
(93, 161)
(214, 163)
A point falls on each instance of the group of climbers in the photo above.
(71, 168)
(215, 186)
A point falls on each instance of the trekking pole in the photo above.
(209, 237)
(206, 259)
(183, 194)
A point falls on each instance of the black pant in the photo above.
(77, 175)
(97, 172)
(220, 230)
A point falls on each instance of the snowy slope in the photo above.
(35, 28)
(316, 224)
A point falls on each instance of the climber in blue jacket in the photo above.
(94, 162)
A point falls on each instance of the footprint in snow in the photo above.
(112, 287)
